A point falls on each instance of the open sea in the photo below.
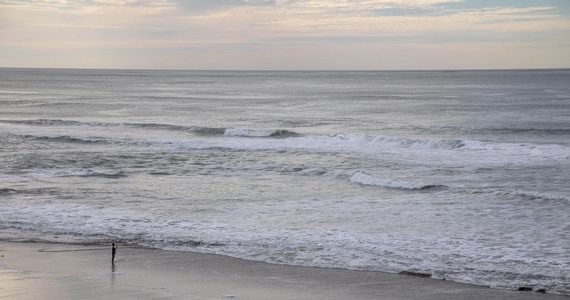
(464, 175)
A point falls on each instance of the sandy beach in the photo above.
(58, 271)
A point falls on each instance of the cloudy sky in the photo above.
(285, 34)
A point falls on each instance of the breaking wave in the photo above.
(420, 143)
(259, 133)
(400, 142)
(365, 179)
(284, 140)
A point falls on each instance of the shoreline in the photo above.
(63, 271)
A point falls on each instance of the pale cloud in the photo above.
(310, 21)
(292, 32)
(256, 20)
(80, 3)
(360, 4)
(100, 27)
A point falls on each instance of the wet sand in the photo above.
(58, 271)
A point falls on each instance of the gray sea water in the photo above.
(463, 175)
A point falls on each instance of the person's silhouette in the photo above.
(113, 252)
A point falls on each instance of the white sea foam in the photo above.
(249, 237)
(416, 143)
(437, 152)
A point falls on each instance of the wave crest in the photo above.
(420, 143)
(52, 122)
(198, 130)
(402, 142)
(65, 139)
(258, 133)
(366, 179)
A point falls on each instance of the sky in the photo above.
(285, 34)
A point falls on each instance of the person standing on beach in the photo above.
(113, 252)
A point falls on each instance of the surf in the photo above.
(368, 180)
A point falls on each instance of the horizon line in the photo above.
(289, 70)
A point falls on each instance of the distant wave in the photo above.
(259, 133)
(278, 132)
(192, 129)
(217, 131)
(5, 192)
(537, 196)
(154, 126)
(65, 139)
(419, 143)
(205, 131)
(99, 173)
(550, 131)
(283, 140)
(79, 172)
(365, 179)
(71, 123)
(53, 122)
(43, 174)
(401, 142)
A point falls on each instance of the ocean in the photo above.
(463, 175)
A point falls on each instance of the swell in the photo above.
(419, 143)
(278, 132)
(398, 142)
(282, 139)
(192, 129)
(42, 174)
(198, 130)
(65, 139)
(368, 180)
(53, 122)
(6, 192)
(361, 178)
(537, 131)
(532, 196)
(237, 132)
